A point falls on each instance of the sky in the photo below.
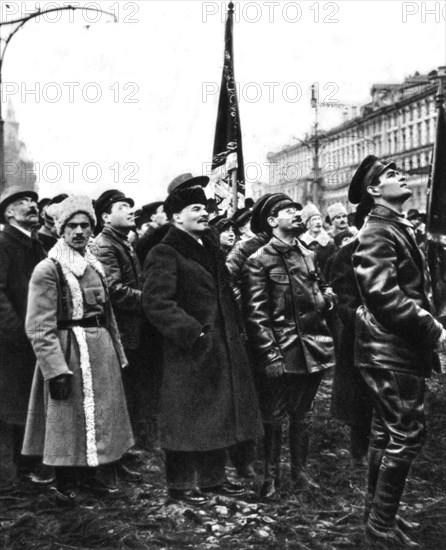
(132, 104)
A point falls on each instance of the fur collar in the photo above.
(74, 262)
(187, 246)
(323, 238)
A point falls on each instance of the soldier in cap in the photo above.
(114, 211)
(396, 336)
(285, 302)
(208, 399)
(20, 252)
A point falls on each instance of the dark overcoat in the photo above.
(208, 399)
(19, 254)
(395, 325)
(351, 402)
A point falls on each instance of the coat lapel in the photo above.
(188, 247)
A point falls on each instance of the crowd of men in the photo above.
(177, 326)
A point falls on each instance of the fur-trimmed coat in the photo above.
(92, 426)
(208, 399)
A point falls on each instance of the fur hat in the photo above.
(180, 198)
(336, 209)
(74, 204)
(308, 211)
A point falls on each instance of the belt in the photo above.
(95, 321)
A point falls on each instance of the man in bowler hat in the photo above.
(396, 337)
(20, 252)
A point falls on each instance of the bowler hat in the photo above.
(186, 180)
(366, 174)
(108, 198)
(14, 193)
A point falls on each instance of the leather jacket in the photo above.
(395, 326)
(285, 299)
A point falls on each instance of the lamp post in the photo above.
(3, 47)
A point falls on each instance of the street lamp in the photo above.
(3, 47)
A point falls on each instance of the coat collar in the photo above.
(115, 235)
(187, 246)
(19, 236)
(323, 238)
(380, 211)
(283, 247)
(74, 262)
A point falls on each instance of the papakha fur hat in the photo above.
(336, 209)
(74, 204)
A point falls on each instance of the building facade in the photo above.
(399, 123)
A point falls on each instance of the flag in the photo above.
(227, 154)
(436, 212)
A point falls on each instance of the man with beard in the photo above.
(124, 278)
(20, 252)
(208, 400)
(284, 303)
(396, 336)
(316, 238)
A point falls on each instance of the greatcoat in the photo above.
(92, 427)
(208, 399)
(19, 254)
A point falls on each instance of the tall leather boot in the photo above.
(272, 444)
(299, 445)
(375, 457)
(381, 527)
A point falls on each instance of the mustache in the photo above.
(203, 219)
(32, 211)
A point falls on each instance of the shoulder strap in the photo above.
(63, 288)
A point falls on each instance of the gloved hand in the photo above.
(275, 369)
(60, 387)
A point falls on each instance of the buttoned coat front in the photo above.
(19, 255)
(284, 302)
(208, 399)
